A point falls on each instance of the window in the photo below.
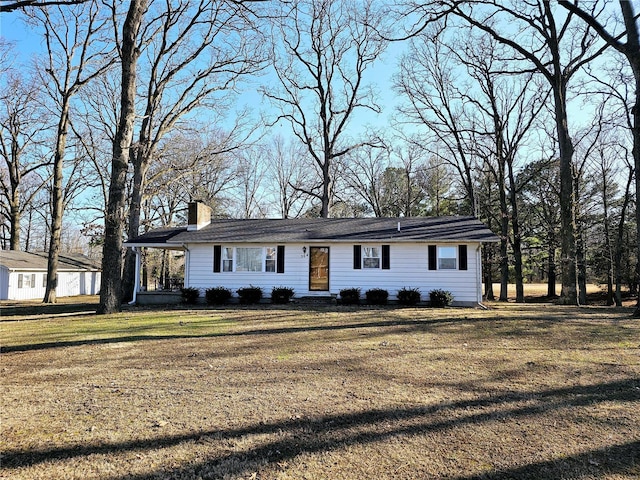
(447, 258)
(248, 259)
(26, 281)
(44, 280)
(227, 259)
(270, 259)
(370, 257)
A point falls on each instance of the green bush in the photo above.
(440, 298)
(281, 294)
(350, 296)
(408, 296)
(377, 296)
(189, 294)
(249, 295)
(217, 295)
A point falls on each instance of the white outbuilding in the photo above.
(23, 275)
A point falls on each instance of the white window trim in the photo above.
(440, 257)
(363, 257)
(263, 261)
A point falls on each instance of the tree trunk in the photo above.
(15, 221)
(326, 188)
(551, 265)
(608, 249)
(128, 275)
(111, 283)
(569, 294)
(517, 243)
(487, 250)
(620, 239)
(57, 204)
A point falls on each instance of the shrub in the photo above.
(189, 294)
(217, 295)
(408, 296)
(440, 298)
(250, 294)
(281, 294)
(350, 296)
(377, 296)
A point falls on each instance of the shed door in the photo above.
(319, 268)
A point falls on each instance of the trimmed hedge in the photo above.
(249, 295)
(217, 295)
(377, 296)
(440, 298)
(350, 296)
(408, 296)
(281, 295)
(189, 295)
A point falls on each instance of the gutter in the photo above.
(136, 276)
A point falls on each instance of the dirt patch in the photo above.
(326, 392)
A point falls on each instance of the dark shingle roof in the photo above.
(412, 229)
(16, 260)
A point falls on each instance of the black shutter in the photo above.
(462, 257)
(217, 256)
(357, 257)
(433, 257)
(386, 264)
(280, 259)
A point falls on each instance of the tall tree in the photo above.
(197, 54)
(75, 54)
(22, 123)
(427, 80)
(288, 175)
(110, 282)
(591, 14)
(557, 47)
(322, 50)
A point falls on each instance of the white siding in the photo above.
(408, 268)
(69, 284)
(296, 268)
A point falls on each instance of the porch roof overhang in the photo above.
(159, 238)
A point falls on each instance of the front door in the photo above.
(319, 268)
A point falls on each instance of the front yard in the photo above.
(518, 391)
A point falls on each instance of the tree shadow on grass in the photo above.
(36, 311)
(402, 325)
(332, 432)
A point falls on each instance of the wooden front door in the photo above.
(319, 268)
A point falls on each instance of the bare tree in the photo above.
(11, 5)
(557, 47)
(197, 53)
(110, 283)
(427, 80)
(322, 50)
(288, 175)
(22, 123)
(75, 55)
(631, 50)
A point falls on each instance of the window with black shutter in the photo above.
(462, 257)
(386, 262)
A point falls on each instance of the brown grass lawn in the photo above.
(518, 391)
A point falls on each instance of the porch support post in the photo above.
(136, 286)
(187, 259)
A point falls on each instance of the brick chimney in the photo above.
(199, 215)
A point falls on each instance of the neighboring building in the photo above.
(323, 256)
(23, 275)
